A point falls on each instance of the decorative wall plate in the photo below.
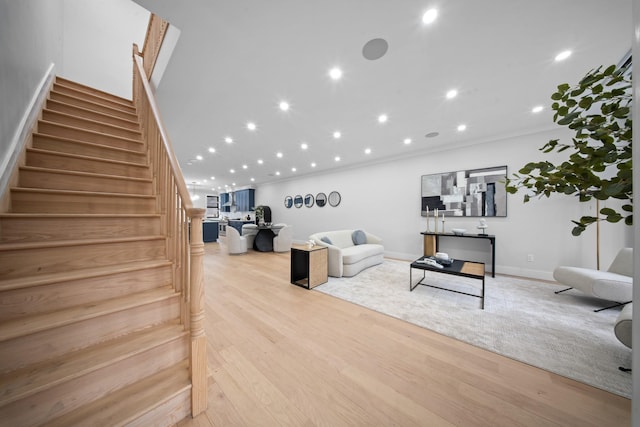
(288, 202)
(297, 201)
(321, 199)
(308, 200)
(334, 198)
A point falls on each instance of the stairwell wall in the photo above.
(30, 42)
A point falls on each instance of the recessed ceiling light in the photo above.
(313, 164)
(537, 109)
(429, 16)
(251, 126)
(229, 140)
(277, 173)
(213, 177)
(279, 155)
(232, 170)
(284, 106)
(382, 118)
(252, 179)
(337, 134)
(304, 146)
(335, 73)
(199, 157)
(461, 128)
(367, 151)
(293, 169)
(260, 161)
(212, 150)
(336, 158)
(407, 141)
(244, 166)
(452, 94)
(563, 55)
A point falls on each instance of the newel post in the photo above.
(198, 337)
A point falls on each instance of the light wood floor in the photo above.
(283, 355)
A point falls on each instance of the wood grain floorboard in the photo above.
(281, 355)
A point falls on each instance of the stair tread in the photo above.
(40, 322)
(84, 174)
(129, 403)
(11, 246)
(138, 141)
(81, 193)
(98, 105)
(87, 110)
(97, 98)
(22, 282)
(54, 112)
(75, 215)
(82, 157)
(73, 85)
(79, 141)
(33, 379)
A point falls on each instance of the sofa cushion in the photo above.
(358, 237)
(326, 240)
(354, 254)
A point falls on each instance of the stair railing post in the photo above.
(198, 338)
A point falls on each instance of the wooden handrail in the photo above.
(183, 191)
(182, 225)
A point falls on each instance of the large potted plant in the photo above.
(599, 164)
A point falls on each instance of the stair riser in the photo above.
(57, 161)
(53, 180)
(62, 131)
(79, 122)
(80, 148)
(45, 229)
(117, 104)
(91, 91)
(34, 348)
(72, 100)
(61, 399)
(169, 413)
(58, 296)
(22, 202)
(91, 115)
(36, 261)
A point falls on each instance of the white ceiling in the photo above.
(236, 60)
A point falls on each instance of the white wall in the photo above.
(30, 41)
(385, 200)
(98, 38)
(86, 41)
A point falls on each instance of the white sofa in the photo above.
(347, 258)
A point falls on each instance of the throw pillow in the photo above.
(326, 240)
(358, 237)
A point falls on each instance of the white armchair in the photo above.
(249, 232)
(615, 284)
(236, 244)
(282, 241)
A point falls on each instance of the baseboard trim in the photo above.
(20, 137)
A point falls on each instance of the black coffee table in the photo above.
(458, 267)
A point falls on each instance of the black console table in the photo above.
(432, 242)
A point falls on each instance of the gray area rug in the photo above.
(523, 319)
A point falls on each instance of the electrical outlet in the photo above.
(530, 258)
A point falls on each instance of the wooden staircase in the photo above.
(92, 327)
